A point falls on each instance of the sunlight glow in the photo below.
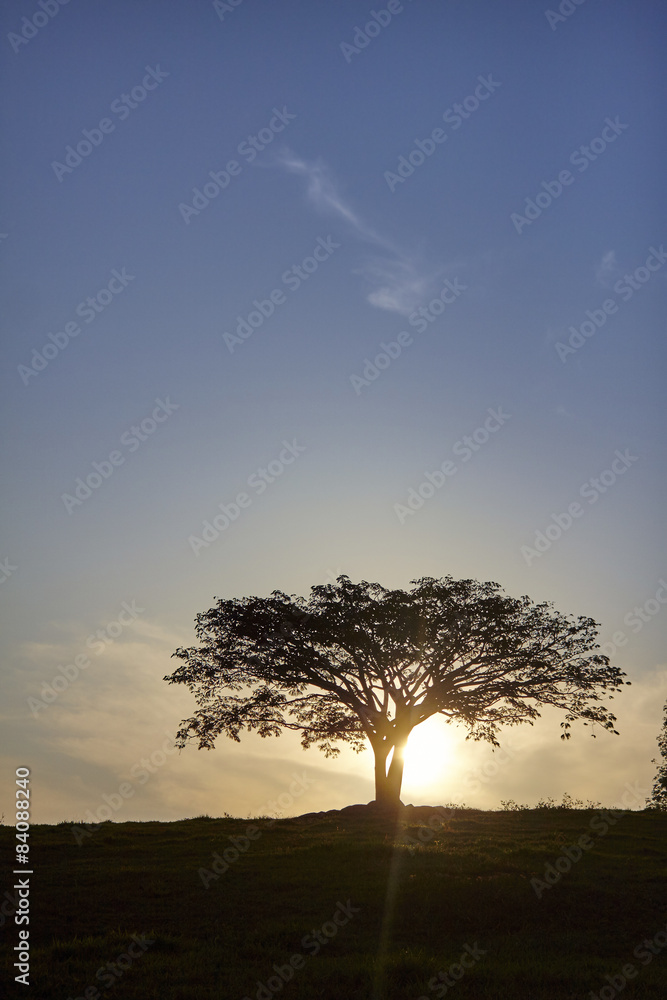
(430, 757)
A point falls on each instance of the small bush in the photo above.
(509, 805)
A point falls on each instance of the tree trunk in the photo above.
(381, 792)
(388, 781)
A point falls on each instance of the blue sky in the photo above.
(158, 350)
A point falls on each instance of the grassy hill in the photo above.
(393, 905)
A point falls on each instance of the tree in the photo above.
(357, 664)
(658, 798)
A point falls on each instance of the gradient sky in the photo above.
(342, 119)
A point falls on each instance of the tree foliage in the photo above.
(658, 798)
(357, 663)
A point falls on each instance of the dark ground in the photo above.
(466, 884)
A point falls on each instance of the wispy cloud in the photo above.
(397, 284)
(396, 279)
(607, 267)
(322, 191)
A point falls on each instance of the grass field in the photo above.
(393, 906)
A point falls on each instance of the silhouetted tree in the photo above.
(659, 793)
(357, 663)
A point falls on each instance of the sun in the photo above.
(429, 754)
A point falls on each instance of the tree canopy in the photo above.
(360, 664)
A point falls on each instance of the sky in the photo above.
(301, 289)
